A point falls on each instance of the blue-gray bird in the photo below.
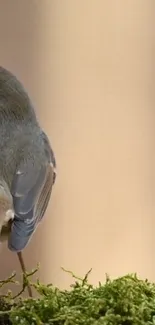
(27, 165)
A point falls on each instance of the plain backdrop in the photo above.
(88, 66)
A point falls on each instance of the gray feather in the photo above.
(31, 206)
(45, 194)
(26, 187)
(26, 160)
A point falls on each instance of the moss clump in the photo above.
(123, 301)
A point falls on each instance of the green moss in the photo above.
(123, 301)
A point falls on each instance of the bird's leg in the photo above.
(21, 261)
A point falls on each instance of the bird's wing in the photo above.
(31, 192)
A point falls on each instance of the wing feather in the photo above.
(30, 205)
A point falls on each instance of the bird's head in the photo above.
(6, 210)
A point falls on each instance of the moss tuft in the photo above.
(127, 300)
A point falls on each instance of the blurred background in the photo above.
(88, 67)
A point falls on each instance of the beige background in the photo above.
(89, 68)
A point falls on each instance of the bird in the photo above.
(27, 165)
